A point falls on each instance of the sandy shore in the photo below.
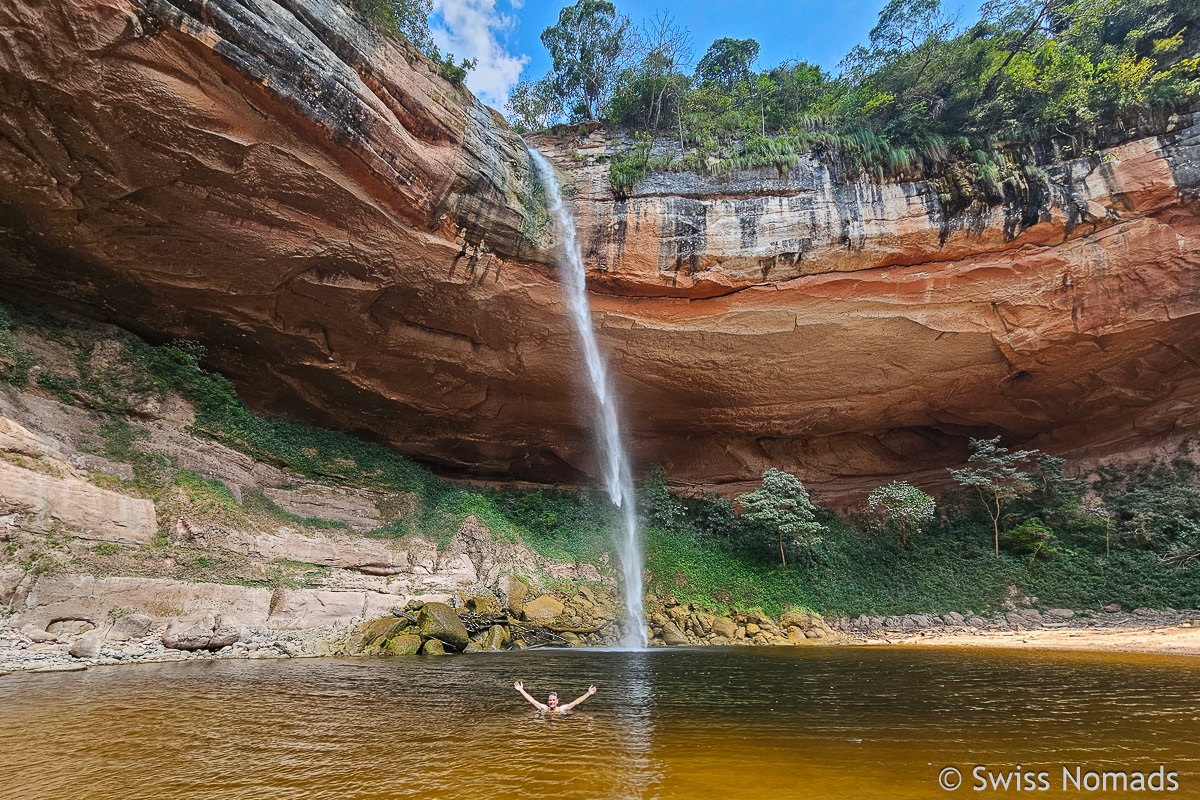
(1170, 639)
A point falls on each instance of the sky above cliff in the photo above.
(504, 34)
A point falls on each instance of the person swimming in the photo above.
(551, 705)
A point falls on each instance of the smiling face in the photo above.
(552, 700)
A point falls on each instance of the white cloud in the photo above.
(469, 29)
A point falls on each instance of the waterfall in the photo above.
(618, 477)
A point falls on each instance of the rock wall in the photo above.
(358, 244)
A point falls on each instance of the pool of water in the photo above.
(716, 723)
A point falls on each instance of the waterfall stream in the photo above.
(618, 477)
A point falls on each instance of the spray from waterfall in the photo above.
(618, 477)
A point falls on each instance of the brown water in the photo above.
(719, 723)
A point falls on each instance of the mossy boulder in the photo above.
(433, 647)
(494, 638)
(438, 621)
(406, 644)
(374, 633)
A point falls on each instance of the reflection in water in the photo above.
(757, 724)
(637, 728)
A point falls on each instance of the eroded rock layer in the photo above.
(357, 243)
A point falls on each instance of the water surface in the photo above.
(707, 723)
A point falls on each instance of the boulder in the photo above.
(483, 604)
(724, 627)
(513, 590)
(1113, 608)
(543, 608)
(494, 638)
(438, 621)
(571, 639)
(472, 647)
(189, 634)
(1060, 613)
(433, 647)
(404, 644)
(672, 635)
(36, 634)
(224, 636)
(374, 632)
(87, 646)
(1145, 612)
(129, 626)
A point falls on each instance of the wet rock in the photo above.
(543, 609)
(433, 647)
(472, 647)
(438, 621)
(571, 639)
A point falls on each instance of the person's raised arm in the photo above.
(591, 691)
(520, 687)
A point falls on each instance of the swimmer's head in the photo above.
(552, 700)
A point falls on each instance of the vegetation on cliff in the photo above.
(925, 97)
(1130, 535)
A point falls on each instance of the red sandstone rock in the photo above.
(351, 237)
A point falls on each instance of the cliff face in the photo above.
(357, 243)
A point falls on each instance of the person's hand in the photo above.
(591, 690)
(520, 687)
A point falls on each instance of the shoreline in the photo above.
(1163, 639)
(18, 654)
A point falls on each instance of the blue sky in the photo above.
(503, 34)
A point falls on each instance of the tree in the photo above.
(783, 502)
(903, 504)
(995, 475)
(410, 18)
(728, 62)
(589, 46)
(532, 105)
(668, 48)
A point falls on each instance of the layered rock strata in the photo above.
(358, 243)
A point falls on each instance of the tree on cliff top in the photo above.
(903, 504)
(995, 474)
(589, 46)
(783, 502)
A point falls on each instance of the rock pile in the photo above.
(672, 623)
(510, 617)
